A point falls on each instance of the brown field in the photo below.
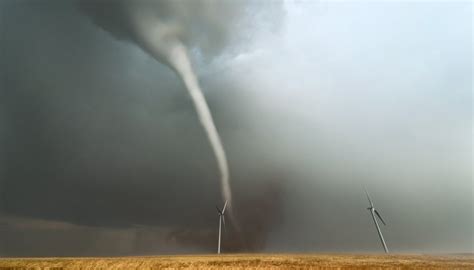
(248, 261)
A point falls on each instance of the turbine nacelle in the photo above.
(221, 212)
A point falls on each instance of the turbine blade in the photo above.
(218, 210)
(368, 197)
(223, 209)
(223, 222)
(377, 212)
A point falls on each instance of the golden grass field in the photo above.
(248, 261)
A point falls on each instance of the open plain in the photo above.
(248, 261)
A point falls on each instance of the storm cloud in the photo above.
(102, 152)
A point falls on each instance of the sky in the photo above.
(102, 152)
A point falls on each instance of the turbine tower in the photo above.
(221, 222)
(374, 211)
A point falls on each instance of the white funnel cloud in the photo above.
(161, 40)
(183, 67)
(167, 29)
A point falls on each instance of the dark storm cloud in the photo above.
(207, 26)
(99, 134)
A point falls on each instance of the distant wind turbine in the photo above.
(221, 222)
(374, 211)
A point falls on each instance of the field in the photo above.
(248, 261)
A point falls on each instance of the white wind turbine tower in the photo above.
(374, 211)
(221, 221)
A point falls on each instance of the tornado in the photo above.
(162, 41)
(183, 68)
(169, 29)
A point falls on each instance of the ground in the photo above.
(248, 261)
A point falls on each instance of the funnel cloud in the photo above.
(167, 29)
(159, 27)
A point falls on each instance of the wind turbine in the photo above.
(374, 211)
(221, 221)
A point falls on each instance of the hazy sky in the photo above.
(102, 152)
